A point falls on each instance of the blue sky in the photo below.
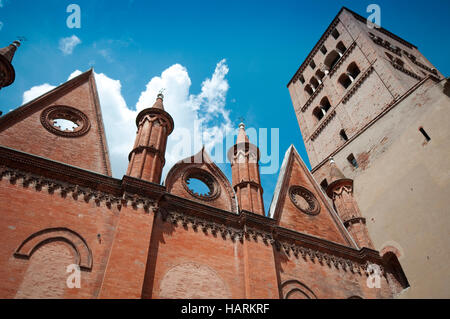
(134, 42)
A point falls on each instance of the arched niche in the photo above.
(30, 245)
(193, 281)
(294, 289)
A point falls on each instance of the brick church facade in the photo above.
(140, 237)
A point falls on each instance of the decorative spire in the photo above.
(159, 101)
(147, 159)
(7, 72)
(246, 181)
(242, 136)
(8, 52)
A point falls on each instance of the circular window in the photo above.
(304, 200)
(65, 121)
(201, 184)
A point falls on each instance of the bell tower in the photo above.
(7, 73)
(244, 158)
(147, 159)
(340, 191)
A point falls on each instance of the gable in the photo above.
(79, 140)
(200, 167)
(300, 205)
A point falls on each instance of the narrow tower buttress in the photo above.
(147, 159)
(340, 190)
(244, 158)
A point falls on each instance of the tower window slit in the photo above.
(324, 184)
(352, 160)
(424, 133)
(343, 135)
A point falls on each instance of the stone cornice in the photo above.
(382, 30)
(249, 226)
(400, 68)
(56, 170)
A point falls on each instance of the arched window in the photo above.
(314, 82)
(308, 89)
(318, 113)
(353, 71)
(340, 47)
(325, 104)
(335, 33)
(345, 80)
(320, 74)
(331, 59)
(400, 62)
(301, 78)
(391, 58)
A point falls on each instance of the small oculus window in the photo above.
(198, 187)
(65, 125)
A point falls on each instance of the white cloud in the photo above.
(193, 114)
(66, 45)
(36, 91)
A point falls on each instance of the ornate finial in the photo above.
(160, 94)
(19, 41)
(241, 124)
